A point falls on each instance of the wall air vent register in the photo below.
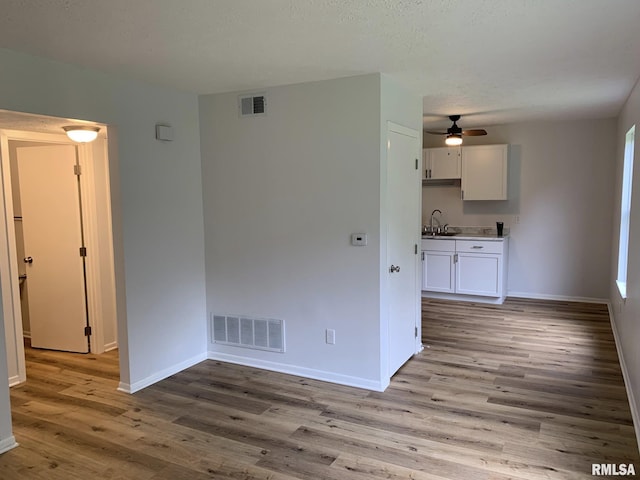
(242, 331)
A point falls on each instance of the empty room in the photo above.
(288, 239)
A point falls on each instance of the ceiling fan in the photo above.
(454, 133)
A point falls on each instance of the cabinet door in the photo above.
(425, 164)
(443, 163)
(484, 172)
(479, 274)
(439, 272)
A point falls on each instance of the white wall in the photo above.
(627, 312)
(561, 183)
(157, 205)
(282, 195)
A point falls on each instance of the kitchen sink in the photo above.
(442, 234)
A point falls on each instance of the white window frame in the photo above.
(625, 212)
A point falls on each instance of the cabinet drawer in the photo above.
(438, 244)
(479, 246)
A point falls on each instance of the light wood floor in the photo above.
(526, 390)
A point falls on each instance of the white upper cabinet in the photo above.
(484, 172)
(441, 163)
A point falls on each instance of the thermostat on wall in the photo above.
(358, 239)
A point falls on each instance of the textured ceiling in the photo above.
(494, 61)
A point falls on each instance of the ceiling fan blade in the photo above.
(474, 132)
(436, 133)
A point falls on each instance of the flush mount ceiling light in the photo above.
(453, 139)
(82, 133)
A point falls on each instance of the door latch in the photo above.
(394, 269)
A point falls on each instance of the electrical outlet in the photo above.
(331, 336)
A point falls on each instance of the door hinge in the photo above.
(415, 249)
(423, 256)
(416, 163)
(77, 170)
(83, 251)
(87, 331)
(416, 332)
(455, 258)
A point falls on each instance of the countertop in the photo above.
(467, 236)
(471, 233)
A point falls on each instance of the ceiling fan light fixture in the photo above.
(82, 133)
(453, 139)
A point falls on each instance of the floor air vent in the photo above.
(256, 333)
(252, 105)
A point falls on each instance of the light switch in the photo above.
(359, 239)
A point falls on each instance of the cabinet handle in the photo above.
(462, 194)
(423, 256)
(477, 246)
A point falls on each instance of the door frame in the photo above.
(96, 284)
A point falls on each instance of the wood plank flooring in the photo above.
(526, 390)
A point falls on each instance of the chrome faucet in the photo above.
(433, 232)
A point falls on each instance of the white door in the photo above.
(52, 239)
(403, 230)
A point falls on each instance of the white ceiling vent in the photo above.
(252, 105)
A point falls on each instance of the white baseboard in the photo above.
(110, 346)
(7, 444)
(633, 406)
(378, 386)
(561, 298)
(16, 380)
(161, 375)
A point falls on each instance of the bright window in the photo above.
(625, 212)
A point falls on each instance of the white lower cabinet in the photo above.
(465, 267)
(479, 274)
(441, 275)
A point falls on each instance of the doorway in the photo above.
(99, 300)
